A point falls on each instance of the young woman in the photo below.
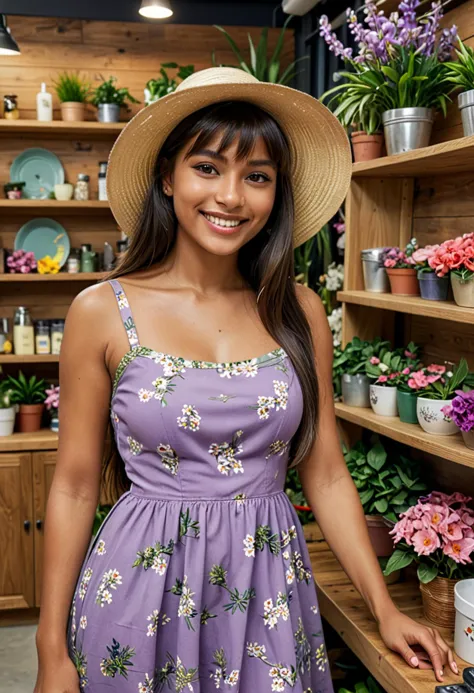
(215, 369)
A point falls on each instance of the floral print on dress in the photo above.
(155, 557)
(218, 576)
(111, 579)
(187, 604)
(121, 300)
(220, 674)
(155, 617)
(80, 662)
(134, 446)
(100, 548)
(273, 612)
(264, 536)
(173, 674)
(131, 332)
(190, 418)
(118, 661)
(187, 524)
(225, 454)
(281, 675)
(85, 583)
(279, 401)
(169, 458)
(278, 447)
(302, 649)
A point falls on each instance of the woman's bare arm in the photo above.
(84, 409)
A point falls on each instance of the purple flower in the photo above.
(336, 46)
(446, 43)
(462, 410)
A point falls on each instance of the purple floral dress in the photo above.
(200, 579)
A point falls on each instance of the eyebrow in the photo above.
(220, 157)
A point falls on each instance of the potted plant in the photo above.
(373, 270)
(30, 395)
(14, 190)
(156, 88)
(406, 394)
(349, 367)
(433, 285)
(436, 388)
(401, 66)
(7, 409)
(387, 485)
(52, 405)
(109, 100)
(461, 411)
(21, 262)
(400, 269)
(437, 534)
(383, 371)
(459, 254)
(73, 93)
(461, 75)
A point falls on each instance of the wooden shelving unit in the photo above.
(59, 277)
(33, 358)
(55, 127)
(449, 447)
(55, 206)
(343, 607)
(45, 439)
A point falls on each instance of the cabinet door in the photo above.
(16, 531)
(43, 470)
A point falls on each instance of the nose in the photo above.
(230, 191)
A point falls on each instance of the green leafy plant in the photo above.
(368, 686)
(461, 73)
(388, 484)
(445, 387)
(107, 92)
(353, 357)
(5, 393)
(263, 67)
(356, 102)
(156, 88)
(303, 261)
(23, 391)
(70, 87)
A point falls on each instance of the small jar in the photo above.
(57, 330)
(42, 337)
(3, 334)
(23, 332)
(81, 189)
(74, 261)
(10, 107)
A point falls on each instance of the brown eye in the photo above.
(263, 178)
(205, 168)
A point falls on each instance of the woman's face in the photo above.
(219, 201)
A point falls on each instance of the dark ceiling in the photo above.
(238, 12)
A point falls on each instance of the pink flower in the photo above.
(435, 368)
(426, 541)
(405, 371)
(418, 380)
(432, 378)
(422, 254)
(374, 360)
(409, 354)
(460, 551)
(447, 410)
(389, 263)
(382, 379)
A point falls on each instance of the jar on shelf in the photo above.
(23, 332)
(57, 330)
(102, 178)
(10, 107)
(81, 189)
(74, 261)
(3, 334)
(42, 337)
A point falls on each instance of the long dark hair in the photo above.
(266, 261)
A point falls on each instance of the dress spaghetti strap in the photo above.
(125, 313)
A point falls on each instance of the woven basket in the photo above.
(438, 601)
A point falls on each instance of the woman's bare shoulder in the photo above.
(93, 310)
(311, 303)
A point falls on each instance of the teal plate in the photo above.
(43, 237)
(40, 169)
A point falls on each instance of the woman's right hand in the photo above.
(57, 677)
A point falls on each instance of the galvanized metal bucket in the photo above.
(407, 128)
(375, 275)
(108, 113)
(466, 106)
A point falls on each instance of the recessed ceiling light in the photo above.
(155, 9)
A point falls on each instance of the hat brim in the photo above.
(320, 152)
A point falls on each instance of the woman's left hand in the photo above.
(420, 646)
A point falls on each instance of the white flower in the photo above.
(249, 546)
(83, 622)
(100, 549)
(145, 395)
(278, 684)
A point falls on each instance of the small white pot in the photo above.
(7, 421)
(383, 400)
(464, 624)
(63, 191)
(431, 418)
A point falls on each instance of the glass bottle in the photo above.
(57, 330)
(10, 107)
(42, 338)
(81, 189)
(23, 332)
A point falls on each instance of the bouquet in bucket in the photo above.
(438, 534)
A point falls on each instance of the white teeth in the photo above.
(222, 222)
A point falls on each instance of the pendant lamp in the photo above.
(155, 9)
(8, 45)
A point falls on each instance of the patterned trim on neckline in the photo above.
(179, 363)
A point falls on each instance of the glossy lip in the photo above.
(224, 231)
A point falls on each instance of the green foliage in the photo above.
(23, 391)
(165, 84)
(100, 514)
(5, 393)
(263, 67)
(294, 491)
(107, 92)
(70, 87)
(303, 260)
(388, 483)
(368, 686)
(461, 73)
(447, 390)
(353, 357)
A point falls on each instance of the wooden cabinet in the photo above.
(43, 469)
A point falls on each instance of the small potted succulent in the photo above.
(349, 367)
(156, 88)
(21, 262)
(400, 267)
(14, 190)
(388, 484)
(461, 76)
(7, 409)
(437, 534)
(30, 395)
(52, 405)
(434, 285)
(109, 99)
(461, 411)
(73, 93)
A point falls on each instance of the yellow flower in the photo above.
(7, 347)
(47, 265)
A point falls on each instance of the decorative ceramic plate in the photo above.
(40, 169)
(43, 237)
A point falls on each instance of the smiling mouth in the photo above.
(224, 223)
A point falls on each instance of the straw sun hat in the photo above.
(320, 151)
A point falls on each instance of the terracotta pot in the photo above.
(379, 535)
(366, 147)
(73, 111)
(438, 601)
(404, 282)
(29, 417)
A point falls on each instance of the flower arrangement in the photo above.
(47, 265)
(391, 368)
(107, 92)
(22, 262)
(422, 377)
(437, 383)
(396, 258)
(454, 255)
(437, 533)
(400, 63)
(335, 324)
(461, 410)
(340, 228)
(52, 399)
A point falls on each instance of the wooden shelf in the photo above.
(87, 127)
(449, 447)
(414, 305)
(343, 607)
(34, 358)
(56, 206)
(60, 277)
(453, 156)
(45, 439)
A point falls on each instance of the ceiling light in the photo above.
(8, 45)
(155, 9)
